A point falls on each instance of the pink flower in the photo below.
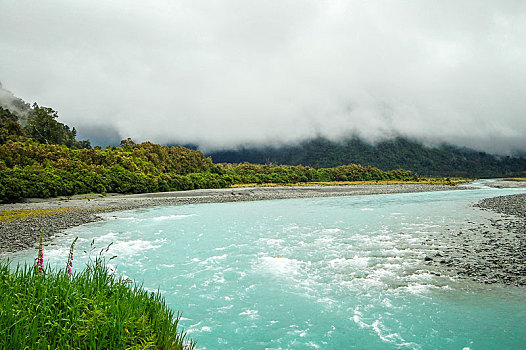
(41, 261)
(40, 258)
(69, 264)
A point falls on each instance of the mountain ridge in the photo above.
(396, 153)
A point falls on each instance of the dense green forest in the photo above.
(445, 160)
(33, 169)
(43, 158)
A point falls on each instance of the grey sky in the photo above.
(223, 73)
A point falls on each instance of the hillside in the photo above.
(15, 104)
(399, 153)
(21, 121)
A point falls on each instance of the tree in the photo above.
(127, 143)
(10, 128)
(44, 128)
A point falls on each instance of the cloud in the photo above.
(100, 135)
(224, 73)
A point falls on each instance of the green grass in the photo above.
(90, 309)
(516, 179)
(422, 180)
(9, 215)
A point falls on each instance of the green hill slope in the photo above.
(399, 153)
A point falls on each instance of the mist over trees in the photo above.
(43, 159)
(398, 153)
(10, 128)
(43, 127)
(19, 121)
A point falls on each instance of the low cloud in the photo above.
(100, 135)
(226, 73)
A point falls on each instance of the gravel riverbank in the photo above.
(489, 252)
(56, 214)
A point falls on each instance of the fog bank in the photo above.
(224, 73)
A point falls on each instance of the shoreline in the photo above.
(58, 214)
(487, 252)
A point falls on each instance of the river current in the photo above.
(320, 273)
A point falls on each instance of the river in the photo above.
(320, 273)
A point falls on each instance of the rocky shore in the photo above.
(489, 252)
(56, 214)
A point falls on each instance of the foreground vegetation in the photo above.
(41, 308)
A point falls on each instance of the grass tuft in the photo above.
(90, 309)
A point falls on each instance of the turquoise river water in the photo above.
(321, 273)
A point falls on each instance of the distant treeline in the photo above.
(33, 169)
(445, 160)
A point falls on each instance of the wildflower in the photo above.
(40, 258)
(69, 264)
(41, 261)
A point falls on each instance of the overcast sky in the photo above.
(224, 73)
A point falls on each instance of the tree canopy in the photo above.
(43, 127)
(444, 160)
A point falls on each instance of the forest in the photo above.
(43, 159)
(32, 169)
(444, 160)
